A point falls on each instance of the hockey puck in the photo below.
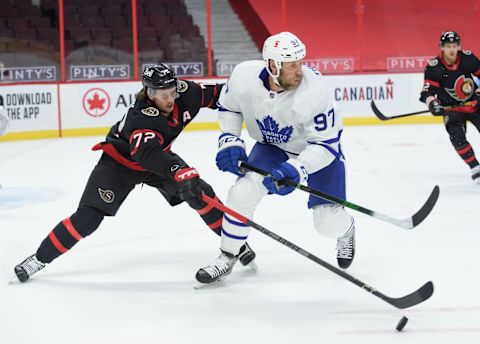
(401, 324)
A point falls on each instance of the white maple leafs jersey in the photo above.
(4, 122)
(301, 122)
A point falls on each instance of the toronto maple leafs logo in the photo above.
(271, 131)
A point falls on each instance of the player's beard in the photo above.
(288, 86)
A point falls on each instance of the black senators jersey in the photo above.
(452, 84)
(144, 136)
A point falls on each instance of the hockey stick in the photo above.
(418, 296)
(407, 223)
(382, 117)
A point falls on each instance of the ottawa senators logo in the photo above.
(108, 196)
(182, 86)
(463, 89)
(151, 111)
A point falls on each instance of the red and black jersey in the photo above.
(452, 84)
(143, 138)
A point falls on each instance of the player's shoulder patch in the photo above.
(182, 86)
(151, 111)
(433, 62)
(467, 52)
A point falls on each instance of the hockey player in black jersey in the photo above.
(449, 81)
(137, 150)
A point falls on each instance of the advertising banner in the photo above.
(191, 69)
(327, 66)
(407, 63)
(85, 108)
(30, 108)
(331, 65)
(93, 105)
(102, 72)
(393, 93)
(28, 74)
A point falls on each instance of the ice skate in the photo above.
(216, 271)
(28, 267)
(476, 174)
(346, 249)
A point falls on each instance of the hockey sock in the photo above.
(467, 154)
(212, 217)
(68, 232)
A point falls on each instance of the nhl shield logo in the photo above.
(108, 196)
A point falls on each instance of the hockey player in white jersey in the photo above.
(289, 113)
(4, 122)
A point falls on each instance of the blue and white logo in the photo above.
(271, 131)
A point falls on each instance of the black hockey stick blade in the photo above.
(407, 301)
(420, 215)
(412, 299)
(382, 117)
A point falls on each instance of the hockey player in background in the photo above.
(137, 150)
(4, 122)
(449, 81)
(288, 112)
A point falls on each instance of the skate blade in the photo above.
(200, 285)
(14, 280)
(252, 266)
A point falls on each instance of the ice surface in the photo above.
(132, 280)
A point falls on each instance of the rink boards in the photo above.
(90, 108)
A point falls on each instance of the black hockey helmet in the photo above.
(449, 37)
(159, 76)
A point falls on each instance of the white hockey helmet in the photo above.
(282, 47)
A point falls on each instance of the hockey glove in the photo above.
(290, 170)
(436, 108)
(476, 99)
(189, 187)
(231, 150)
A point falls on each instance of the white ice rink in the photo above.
(132, 280)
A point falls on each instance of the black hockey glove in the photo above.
(476, 100)
(436, 108)
(189, 186)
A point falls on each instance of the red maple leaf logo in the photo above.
(96, 102)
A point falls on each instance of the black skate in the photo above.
(476, 174)
(28, 267)
(246, 255)
(346, 249)
(216, 271)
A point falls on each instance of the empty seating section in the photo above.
(389, 28)
(27, 36)
(166, 31)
